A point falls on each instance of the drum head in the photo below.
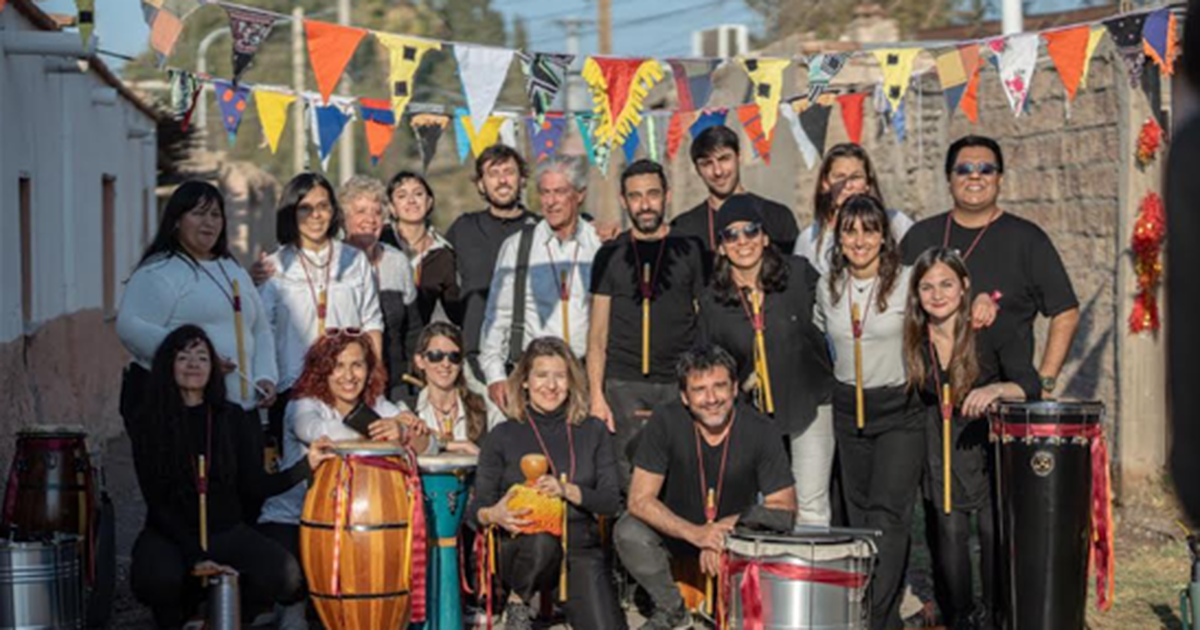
(446, 462)
(1050, 412)
(53, 431)
(368, 448)
(808, 548)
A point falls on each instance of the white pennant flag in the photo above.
(482, 70)
(1018, 59)
(808, 150)
(508, 131)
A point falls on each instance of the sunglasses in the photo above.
(343, 332)
(437, 356)
(966, 169)
(731, 234)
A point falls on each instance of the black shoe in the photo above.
(676, 619)
(518, 616)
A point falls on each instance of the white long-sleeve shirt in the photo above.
(806, 245)
(548, 258)
(883, 333)
(166, 293)
(305, 420)
(290, 299)
(429, 415)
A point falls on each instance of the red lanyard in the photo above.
(567, 276)
(647, 284)
(545, 451)
(712, 233)
(321, 304)
(858, 327)
(758, 321)
(710, 513)
(978, 237)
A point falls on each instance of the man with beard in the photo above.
(715, 155)
(703, 461)
(500, 174)
(556, 265)
(644, 289)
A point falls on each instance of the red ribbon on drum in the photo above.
(1100, 553)
(753, 611)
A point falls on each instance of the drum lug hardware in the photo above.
(1079, 440)
(1028, 439)
(1055, 440)
(1007, 439)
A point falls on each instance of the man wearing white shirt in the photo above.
(556, 299)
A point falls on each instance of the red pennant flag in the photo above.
(330, 47)
(618, 76)
(751, 117)
(675, 133)
(379, 122)
(970, 98)
(1068, 50)
(852, 114)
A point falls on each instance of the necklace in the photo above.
(545, 451)
(228, 294)
(320, 299)
(978, 237)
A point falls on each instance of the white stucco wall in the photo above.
(54, 130)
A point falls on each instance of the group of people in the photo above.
(675, 375)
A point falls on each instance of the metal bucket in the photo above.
(224, 603)
(41, 585)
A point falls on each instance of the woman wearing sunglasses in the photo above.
(942, 349)
(880, 442)
(759, 308)
(457, 417)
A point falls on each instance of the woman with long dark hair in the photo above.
(187, 276)
(942, 349)
(877, 422)
(188, 440)
(547, 394)
(759, 308)
(456, 415)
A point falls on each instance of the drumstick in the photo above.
(565, 300)
(241, 335)
(202, 475)
(412, 380)
(760, 343)
(947, 411)
(562, 573)
(646, 319)
(322, 309)
(711, 505)
(860, 413)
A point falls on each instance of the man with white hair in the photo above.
(540, 284)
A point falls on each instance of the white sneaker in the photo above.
(292, 617)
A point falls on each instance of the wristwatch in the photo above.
(1048, 384)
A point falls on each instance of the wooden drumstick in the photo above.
(947, 412)
(562, 573)
(760, 344)
(710, 504)
(322, 309)
(565, 299)
(202, 476)
(646, 289)
(241, 336)
(860, 412)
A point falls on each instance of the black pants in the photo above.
(631, 403)
(949, 537)
(881, 472)
(645, 555)
(161, 578)
(531, 563)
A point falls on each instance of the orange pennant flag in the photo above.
(1068, 50)
(330, 47)
(751, 117)
(970, 98)
(675, 133)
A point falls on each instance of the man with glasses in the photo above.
(645, 284)
(1014, 265)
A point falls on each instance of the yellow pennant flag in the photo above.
(767, 76)
(405, 54)
(272, 114)
(486, 137)
(1094, 39)
(897, 66)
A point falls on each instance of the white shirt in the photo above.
(166, 293)
(290, 298)
(394, 273)
(304, 421)
(429, 415)
(806, 245)
(883, 333)
(548, 258)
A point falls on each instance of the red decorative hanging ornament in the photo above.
(1149, 142)
(1149, 232)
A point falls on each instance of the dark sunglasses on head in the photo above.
(731, 234)
(966, 169)
(437, 356)
(343, 332)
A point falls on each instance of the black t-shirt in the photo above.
(757, 464)
(1014, 257)
(677, 279)
(699, 223)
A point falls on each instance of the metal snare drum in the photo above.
(41, 584)
(808, 581)
(446, 481)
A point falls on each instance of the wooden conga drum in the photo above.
(356, 537)
(51, 487)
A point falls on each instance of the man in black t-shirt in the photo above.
(1014, 265)
(699, 466)
(644, 271)
(715, 155)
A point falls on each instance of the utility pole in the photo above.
(571, 80)
(346, 149)
(299, 137)
(202, 68)
(1014, 18)
(604, 25)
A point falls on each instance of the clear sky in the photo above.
(660, 28)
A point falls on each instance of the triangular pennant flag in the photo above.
(585, 123)
(164, 33)
(899, 119)
(656, 137)
(675, 133)
(808, 150)
(86, 20)
(545, 74)
(1126, 33)
(488, 135)
(1068, 50)
(970, 97)
(1159, 39)
(508, 132)
(693, 81)
(751, 119)
(330, 47)
(631, 145)
(822, 68)
(1094, 39)
(428, 129)
(329, 121)
(619, 87)
(249, 29)
(232, 101)
(185, 92)
(897, 67)
(379, 123)
(272, 114)
(1018, 60)
(706, 119)
(814, 120)
(852, 114)
(953, 77)
(462, 142)
(767, 78)
(482, 70)
(405, 54)
(546, 136)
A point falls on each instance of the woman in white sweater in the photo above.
(188, 276)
